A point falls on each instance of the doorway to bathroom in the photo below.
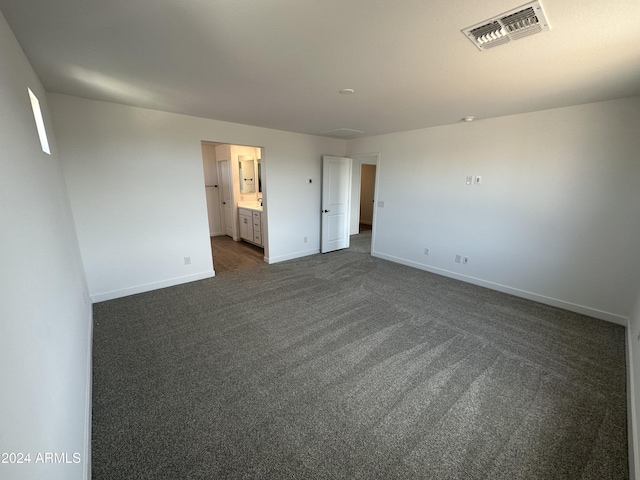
(234, 187)
(230, 255)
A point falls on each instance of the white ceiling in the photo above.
(280, 63)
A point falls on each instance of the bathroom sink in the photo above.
(250, 205)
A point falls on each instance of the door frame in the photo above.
(358, 161)
(369, 204)
(212, 188)
(367, 159)
(263, 194)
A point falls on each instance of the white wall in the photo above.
(555, 217)
(45, 316)
(135, 181)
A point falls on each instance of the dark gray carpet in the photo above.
(344, 366)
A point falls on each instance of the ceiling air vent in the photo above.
(512, 25)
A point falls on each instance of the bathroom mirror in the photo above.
(259, 175)
(247, 174)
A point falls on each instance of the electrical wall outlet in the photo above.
(187, 260)
(426, 251)
(458, 258)
(305, 239)
(469, 179)
(465, 260)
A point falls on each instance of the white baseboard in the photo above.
(101, 297)
(88, 400)
(632, 428)
(554, 302)
(291, 256)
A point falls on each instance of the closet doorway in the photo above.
(363, 200)
(367, 196)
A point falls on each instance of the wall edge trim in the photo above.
(632, 430)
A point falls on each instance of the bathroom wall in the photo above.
(212, 188)
(236, 152)
(232, 153)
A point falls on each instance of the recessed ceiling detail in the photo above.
(515, 24)
(342, 133)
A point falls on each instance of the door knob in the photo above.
(326, 211)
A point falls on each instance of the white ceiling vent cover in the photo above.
(512, 25)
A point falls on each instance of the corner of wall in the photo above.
(632, 397)
(88, 399)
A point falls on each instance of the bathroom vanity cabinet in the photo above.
(250, 225)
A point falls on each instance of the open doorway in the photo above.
(363, 198)
(234, 187)
(367, 196)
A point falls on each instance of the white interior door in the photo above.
(336, 198)
(224, 179)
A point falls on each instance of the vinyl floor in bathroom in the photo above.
(230, 255)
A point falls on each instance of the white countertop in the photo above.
(250, 206)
